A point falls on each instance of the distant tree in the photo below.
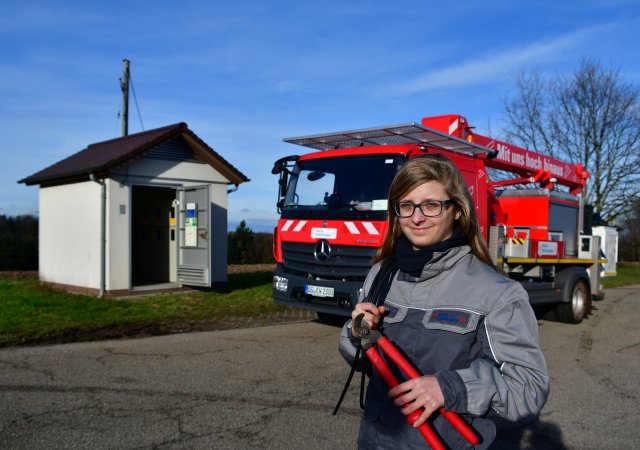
(18, 243)
(629, 243)
(263, 246)
(590, 118)
(240, 245)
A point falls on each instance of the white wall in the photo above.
(118, 247)
(609, 246)
(161, 169)
(70, 234)
(219, 198)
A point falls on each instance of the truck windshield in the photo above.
(341, 187)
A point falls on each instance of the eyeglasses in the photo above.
(430, 208)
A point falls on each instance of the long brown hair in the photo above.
(434, 167)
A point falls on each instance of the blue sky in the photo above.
(245, 74)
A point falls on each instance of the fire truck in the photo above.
(333, 214)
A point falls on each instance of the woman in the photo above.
(467, 328)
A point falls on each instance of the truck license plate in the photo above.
(318, 291)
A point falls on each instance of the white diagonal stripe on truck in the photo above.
(352, 227)
(287, 224)
(370, 228)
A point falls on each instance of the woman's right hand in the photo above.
(372, 313)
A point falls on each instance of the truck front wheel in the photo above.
(577, 306)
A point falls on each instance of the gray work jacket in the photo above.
(471, 327)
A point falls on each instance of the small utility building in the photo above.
(144, 211)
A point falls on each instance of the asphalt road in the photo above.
(274, 387)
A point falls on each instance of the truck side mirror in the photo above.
(281, 165)
(278, 167)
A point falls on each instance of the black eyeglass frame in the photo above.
(442, 203)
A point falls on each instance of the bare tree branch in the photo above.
(592, 118)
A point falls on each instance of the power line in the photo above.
(135, 99)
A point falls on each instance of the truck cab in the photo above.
(333, 210)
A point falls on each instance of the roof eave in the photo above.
(69, 177)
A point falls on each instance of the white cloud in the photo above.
(498, 65)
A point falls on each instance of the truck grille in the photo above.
(345, 261)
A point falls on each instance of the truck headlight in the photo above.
(280, 283)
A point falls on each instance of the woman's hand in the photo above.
(372, 313)
(422, 392)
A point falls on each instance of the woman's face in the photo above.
(424, 231)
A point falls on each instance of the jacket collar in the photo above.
(441, 262)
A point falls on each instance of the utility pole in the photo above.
(124, 85)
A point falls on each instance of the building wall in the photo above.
(69, 234)
(219, 198)
(171, 171)
(118, 235)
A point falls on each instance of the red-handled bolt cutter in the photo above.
(369, 339)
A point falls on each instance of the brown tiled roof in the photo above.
(102, 158)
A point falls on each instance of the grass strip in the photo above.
(625, 276)
(33, 313)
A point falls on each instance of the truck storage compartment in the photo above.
(541, 215)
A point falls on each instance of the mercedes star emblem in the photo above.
(322, 251)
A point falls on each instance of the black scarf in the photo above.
(413, 261)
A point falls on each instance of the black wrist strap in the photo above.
(377, 294)
(348, 382)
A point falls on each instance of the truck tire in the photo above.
(578, 304)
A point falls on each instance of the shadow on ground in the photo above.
(537, 435)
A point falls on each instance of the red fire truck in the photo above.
(333, 214)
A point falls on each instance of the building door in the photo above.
(194, 229)
(154, 236)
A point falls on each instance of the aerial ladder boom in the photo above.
(531, 166)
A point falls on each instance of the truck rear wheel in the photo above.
(577, 306)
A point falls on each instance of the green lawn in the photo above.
(625, 276)
(30, 313)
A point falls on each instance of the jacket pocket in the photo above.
(457, 320)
